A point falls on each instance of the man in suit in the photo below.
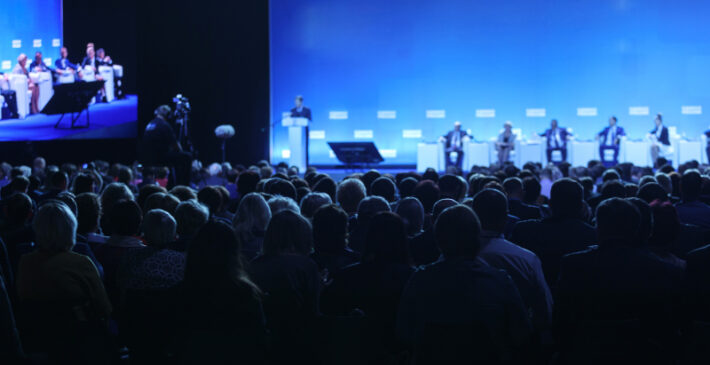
(62, 64)
(617, 292)
(707, 149)
(661, 142)
(37, 64)
(691, 210)
(301, 111)
(556, 140)
(609, 139)
(453, 143)
(562, 233)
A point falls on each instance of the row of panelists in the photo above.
(659, 144)
(28, 87)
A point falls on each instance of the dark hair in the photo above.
(566, 198)
(183, 192)
(326, 185)
(491, 207)
(18, 208)
(146, 191)
(83, 183)
(20, 184)
(214, 260)
(666, 224)
(384, 187)
(618, 221)
(412, 212)
(387, 240)
(512, 186)
(330, 229)
(211, 197)
(441, 205)
(646, 222)
(613, 189)
(428, 193)
(453, 187)
(124, 218)
(406, 187)
(691, 184)
(431, 175)
(246, 183)
(532, 189)
(277, 186)
(610, 174)
(288, 232)
(457, 232)
(89, 208)
(652, 191)
(59, 180)
(368, 178)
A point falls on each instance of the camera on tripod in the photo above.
(182, 108)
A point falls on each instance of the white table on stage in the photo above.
(297, 141)
(67, 78)
(44, 81)
(106, 73)
(581, 152)
(476, 154)
(530, 151)
(430, 155)
(690, 150)
(18, 83)
(636, 152)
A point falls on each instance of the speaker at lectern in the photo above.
(297, 141)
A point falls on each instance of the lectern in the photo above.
(297, 141)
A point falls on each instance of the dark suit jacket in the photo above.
(41, 65)
(604, 133)
(551, 238)
(87, 61)
(664, 135)
(617, 282)
(304, 113)
(522, 210)
(549, 134)
(450, 137)
(698, 283)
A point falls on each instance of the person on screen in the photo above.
(453, 145)
(610, 139)
(505, 143)
(21, 69)
(556, 141)
(707, 149)
(104, 59)
(660, 141)
(37, 64)
(91, 61)
(301, 111)
(63, 65)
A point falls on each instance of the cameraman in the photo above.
(160, 147)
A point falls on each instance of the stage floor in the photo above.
(117, 119)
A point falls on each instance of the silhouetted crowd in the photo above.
(110, 264)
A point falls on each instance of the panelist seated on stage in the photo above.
(104, 59)
(707, 140)
(660, 140)
(21, 69)
(62, 65)
(453, 145)
(556, 140)
(505, 143)
(91, 61)
(37, 64)
(610, 139)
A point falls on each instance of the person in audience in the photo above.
(21, 69)
(665, 233)
(453, 145)
(691, 210)
(279, 203)
(349, 194)
(455, 300)
(453, 187)
(330, 240)
(312, 201)
(505, 143)
(422, 247)
(610, 139)
(183, 193)
(374, 285)
(290, 281)
(166, 202)
(556, 141)
(564, 232)
(220, 306)
(190, 216)
(360, 226)
(412, 212)
(523, 266)
(62, 65)
(113, 193)
(616, 293)
(515, 191)
(250, 223)
(428, 193)
(62, 302)
(125, 217)
(384, 187)
(660, 140)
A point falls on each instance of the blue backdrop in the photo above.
(23, 23)
(484, 62)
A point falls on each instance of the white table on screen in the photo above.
(18, 83)
(475, 153)
(296, 141)
(636, 152)
(690, 150)
(106, 73)
(581, 152)
(67, 78)
(430, 155)
(44, 81)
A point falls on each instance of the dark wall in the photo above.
(214, 52)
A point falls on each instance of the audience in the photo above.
(264, 266)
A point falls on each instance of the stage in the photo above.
(117, 119)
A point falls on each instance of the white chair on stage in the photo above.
(430, 155)
(107, 73)
(88, 74)
(636, 152)
(66, 78)
(531, 150)
(581, 152)
(690, 150)
(475, 154)
(18, 83)
(43, 80)
(512, 155)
